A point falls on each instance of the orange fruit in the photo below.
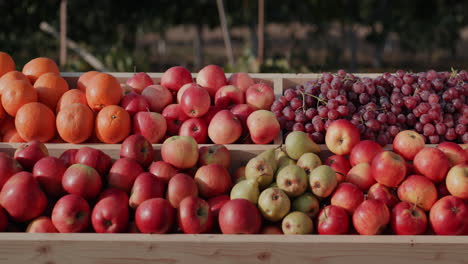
(38, 66)
(50, 87)
(84, 79)
(112, 124)
(6, 63)
(6, 124)
(35, 121)
(73, 96)
(13, 75)
(103, 90)
(75, 123)
(16, 94)
(12, 136)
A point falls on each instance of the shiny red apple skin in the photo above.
(151, 125)
(361, 176)
(364, 151)
(228, 96)
(419, 190)
(174, 118)
(408, 219)
(68, 157)
(340, 165)
(162, 170)
(455, 153)
(216, 203)
(82, 180)
(214, 154)
(195, 102)
(94, 158)
(179, 187)
(384, 194)
(8, 167)
(333, 220)
(408, 143)
(347, 196)
(182, 89)
(139, 81)
(432, 163)
(71, 214)
(239, 216)
(194, 216)
(175, 77)
(137, 147)
(111, 214)
(146, 186)
(241, 80)
(213, 180)
(388, 168)
(155, 216)
(260, 96)
(123, 173)
(263, 126)
(341, 137)
(134, 103)
(157, 97)
(449, 216)
(211, 77)
(196, 128)
(224, 128)
(371, 217)
(29, 153)
(48, 172)
(180, 151)
(42, 224)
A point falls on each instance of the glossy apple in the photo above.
(211, 113)
(260, 96)
(455, 153)
(263, 126)
(195, 101)
(449, 216)
(134, 103)
(384, 194)
(408, 143)
(196, 128)
(242, 112)
(179, 187)
(8, 168)
(22, 197)
(71, 214)
(408, 219)
(82, 180)
(139, 81)
(146, 186)
(418, 190)
(341, 137)
(214, 154)
(174, 118)
(340, 165)
(48, 172)
(42, 224)
(347, 196)
(155, 216)
(228, 96)
(216, 203)
(432, 163)
(123, 173)
(364, 151)
(162, 170)
(157, 97)
(29, 153)
(457, 181)
(183, 88)
(94, 158)
(361, 176)
(174, 77)
(224, 128)
(241, 80)
(137, 147)
(239, 216)
(111, 213)
(371, 217)
(180, 151)
(194, 215)
(213, 180)
(211, 77)
(388, 168)
(333, 220)
(68, 157)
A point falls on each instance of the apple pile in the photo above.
(212, 109)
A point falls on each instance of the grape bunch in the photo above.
(434, 104)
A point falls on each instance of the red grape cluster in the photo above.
(434, 104)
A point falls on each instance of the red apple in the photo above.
(454, 152)
(210, 114)
(157, 96)
(82, 180)
(242, 112)
(174, 77)
(195, 101)
(111, 214)
(134, 103)
(42, 224)
(179, 187)
(194, 216)
(162, 170)
(214, 154)
(174, 118)
(115, 194)
(183, 88)
(224, 128)
(263, 126)
(137, 147)
(333, 220)
(22, 197)
(432, 163)
(442, 190)
(216, 203)
(361, 176)
(29, 153)
(341, 137)
(94, 158)
(371, 217)
(418, 190)
(155, 216)
(146, 186)
(408, 143)
(239, 216)
(68, 157)
(212, 78)
(271, 230)
(408, 219)
(123, 173)
(213, 180)
(241, 80)
(228, 96)
(449, 216)
(457, 181)
(364, 151)
(239, 175)
(340, 165)
(151, 125)
(347, 196)
(180, 151)
(384, 194)
(71, 214)
(48, 172)
(8, 168)
(139, 81)
(388, 168)
(196, 128)
(260, 96)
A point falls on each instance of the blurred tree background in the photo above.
(300, 36)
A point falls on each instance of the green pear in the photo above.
(309, 161)
(246, 189)
(292, 179)
(297, 143)
(297, 223)
(323, 181)
(283, 160)
(261, 170)
(274, 204)
(270, 156)
(308, 204)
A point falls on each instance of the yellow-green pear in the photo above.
(293, 180)
(309, 161)
(323, 181)
(308, 204)
(260, 169)
(297, 143)
(246, 189)
(297, 223)
(274, 204)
